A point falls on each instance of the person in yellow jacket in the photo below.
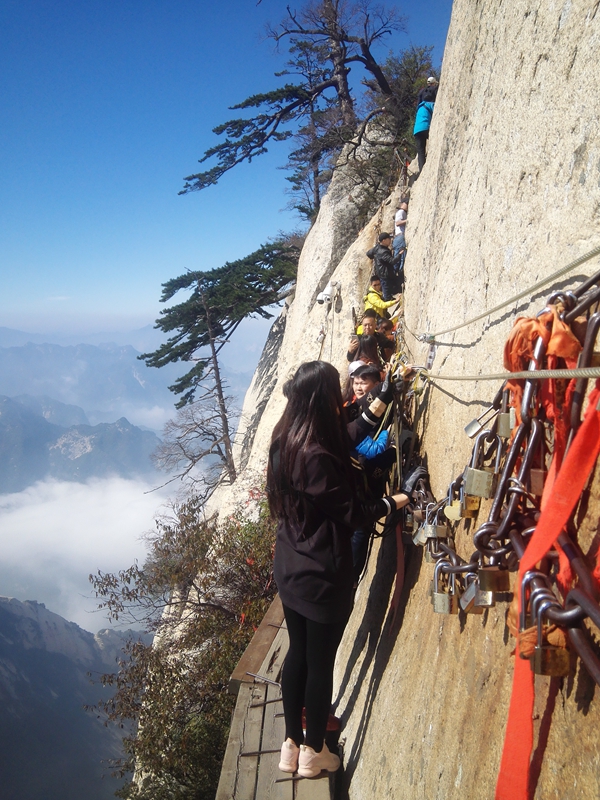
(374, 299)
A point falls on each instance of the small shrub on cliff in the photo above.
(203, 590)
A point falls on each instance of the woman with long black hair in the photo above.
(313, 492)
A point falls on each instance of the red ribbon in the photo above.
(570, 482)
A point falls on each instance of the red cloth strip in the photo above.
(570, 482)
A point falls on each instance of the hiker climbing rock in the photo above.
(423, 120)
(374, 299)
(384, 263)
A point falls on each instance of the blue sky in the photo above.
(105, 106)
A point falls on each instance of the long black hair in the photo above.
(314, 415)
(367, 350)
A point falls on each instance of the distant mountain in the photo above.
(31, 449)
(101, 372)
(51, 748)
(107, 381)
(53, 411)
(143, 339)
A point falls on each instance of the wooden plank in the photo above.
(273, 659)
(273, 733)
(254, 655)
(314, 788)
(239, 774)
(256, 727)
(268, 770)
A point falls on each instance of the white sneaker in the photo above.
(289, 756)
(311, 764)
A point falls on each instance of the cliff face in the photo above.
(51, 747)
(510, 193)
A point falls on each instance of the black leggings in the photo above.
(307, 678)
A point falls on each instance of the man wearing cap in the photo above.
(384, 263)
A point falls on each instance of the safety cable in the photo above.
(430, 337)
(534, 374)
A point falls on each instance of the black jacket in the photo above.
(383, 260)
(313, 553)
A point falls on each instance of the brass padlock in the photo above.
(494, 579)
(547, 659)
(469, 505)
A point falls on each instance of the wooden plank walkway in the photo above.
(250, 767)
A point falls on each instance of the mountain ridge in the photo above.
(33, 449)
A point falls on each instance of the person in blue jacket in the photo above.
(422, 125)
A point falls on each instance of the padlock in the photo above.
(484, 599)
(435, 531)
(468, 597)
(478, 481)
(408, 521)
(506, 423)
(453, 512)
(419, 537)
(536, 481)
(452, 509)
(547, 659)
(469, 504)
(427, 525)
(494, 579)
(444, 602)
(476, 426)
(537, 475)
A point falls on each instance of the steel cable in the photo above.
(429, 337)
(535, 374)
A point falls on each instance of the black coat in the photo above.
(313, 553)
(383, 261)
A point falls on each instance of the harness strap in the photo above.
(570, 481)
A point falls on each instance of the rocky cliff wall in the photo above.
(510, 192)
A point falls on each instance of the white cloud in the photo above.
(55, 534)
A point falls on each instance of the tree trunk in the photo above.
(338, 56)
(229, 464)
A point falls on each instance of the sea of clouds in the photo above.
(54, 534)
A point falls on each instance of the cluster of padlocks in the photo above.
(514, 442)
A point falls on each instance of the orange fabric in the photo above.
(580, 460)
(596, 572)
(560, 342)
